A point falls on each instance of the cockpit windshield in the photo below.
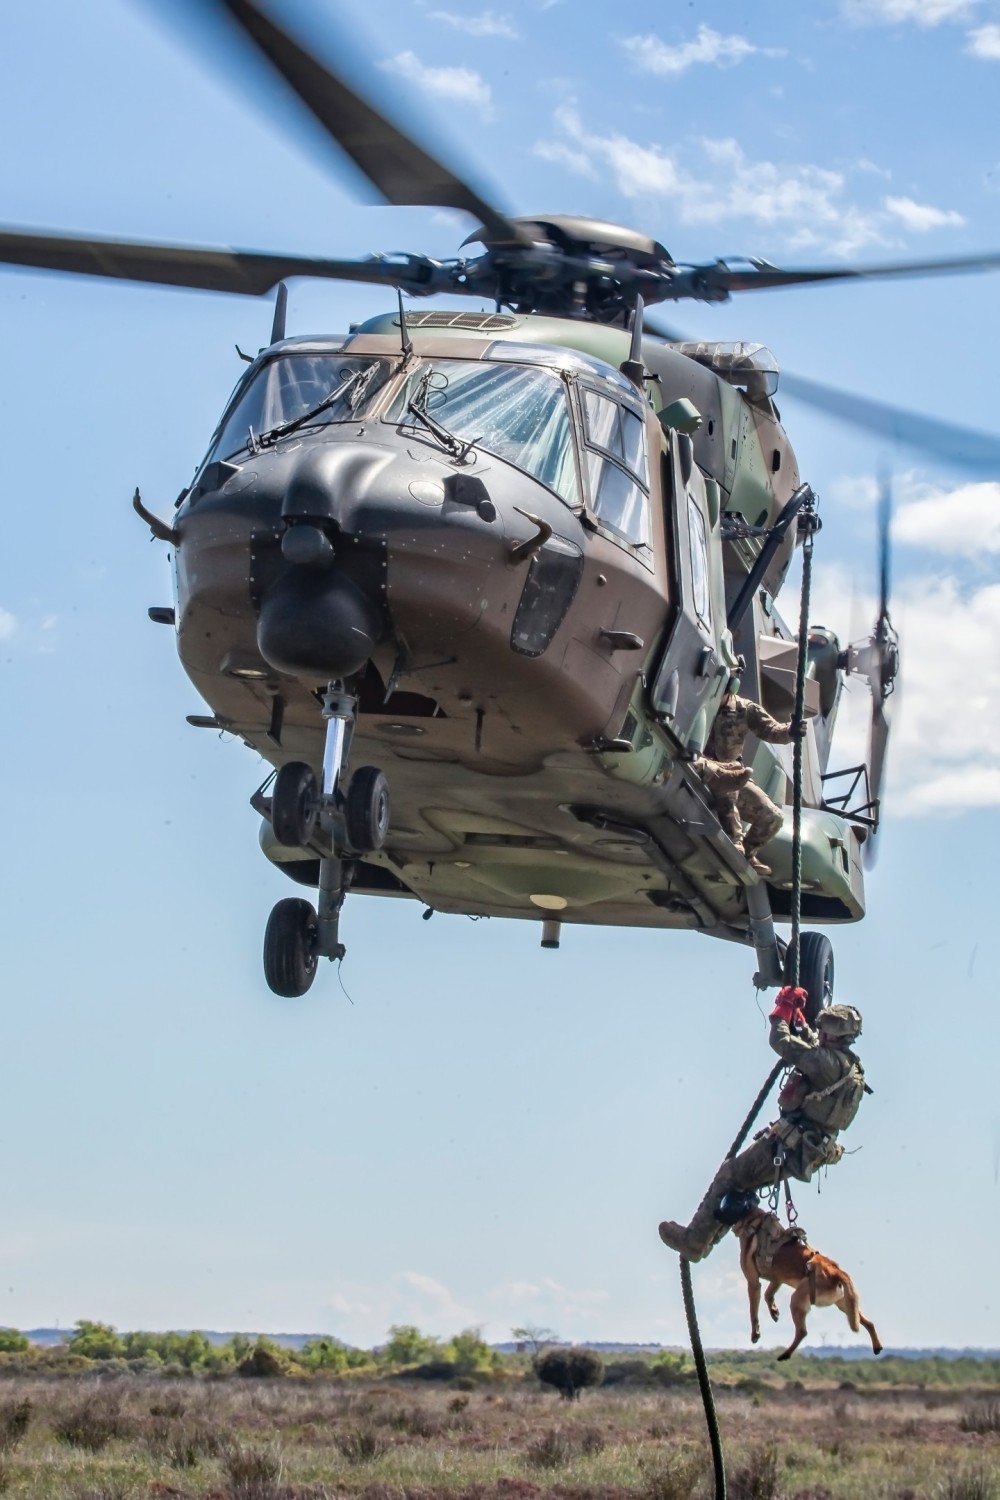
(518, 412)
(299, 390)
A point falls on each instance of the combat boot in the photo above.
(756, 863)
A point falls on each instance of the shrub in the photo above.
(756, 1478)
(15, 1417)
(5, 1480)
(253, 1473)
(675, 1476)
(983, 1417)
(91, 1426)
(569, 1370)
(96, 1341)
(362, 1445)
(551, 1450)
(265, 1361)
(973, 1484)
(12, 1341)
(181, 1446)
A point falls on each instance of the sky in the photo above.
(465, 1130)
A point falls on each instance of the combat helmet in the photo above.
(840, 1021)
(735, 1206)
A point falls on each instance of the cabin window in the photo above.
(700, 597)
(519, 413)
(290, 387)
(618, 466)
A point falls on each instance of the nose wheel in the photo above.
(290, 954)
(306, 812)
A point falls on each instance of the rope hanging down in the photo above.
(809, 524)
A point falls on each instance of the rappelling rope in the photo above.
(808, 526)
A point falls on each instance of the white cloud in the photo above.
(461, 85)
(652, 55)
(729, 186)
(8, 624)
(921, 216)
(964, 522)
(944, 754)
(892, 12)
(985, 42)
(809, 203)
(486, 24)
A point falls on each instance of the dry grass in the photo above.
(134, 1439)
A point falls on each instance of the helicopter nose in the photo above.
(321, 616)
(317, 623)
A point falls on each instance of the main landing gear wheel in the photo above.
(290, 956)
(366, 810)
(815, 971)
(294, 805)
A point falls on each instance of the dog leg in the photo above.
(748, 1266)
(869, 1328)
(799, 1307)
(772, 1306)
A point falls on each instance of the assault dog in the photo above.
(768, 1249)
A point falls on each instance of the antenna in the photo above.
(404, 332)
(280, 305)
(633, 368)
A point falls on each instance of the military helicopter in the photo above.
(474, 583)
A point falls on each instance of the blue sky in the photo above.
(477, 1132)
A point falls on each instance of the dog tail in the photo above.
(850, 1300)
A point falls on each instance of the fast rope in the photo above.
(808, 523)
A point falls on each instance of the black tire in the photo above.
(815, 972)
(367, 810)
(294, 805)
(290, 957)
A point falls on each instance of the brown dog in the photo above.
(768, 1249)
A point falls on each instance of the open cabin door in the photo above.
(689, 677)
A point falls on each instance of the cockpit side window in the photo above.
(293, 385)
(520, 413)
(618, 466)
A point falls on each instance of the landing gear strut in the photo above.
(306, 812)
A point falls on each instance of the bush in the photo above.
(362, 1445)
(265, 1361)
(983, 1417)
(757, 1477)
(569, 1370)
(973, 1484)
(12, 1341)
(182, 1446)
(91, 1426)
(253, 1473)
(15, 1417)
(551, 1450)
(676, 1476)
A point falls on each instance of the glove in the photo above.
(797, 729)
(788, 1005)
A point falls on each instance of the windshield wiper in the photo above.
(417, 406)
(357, 382)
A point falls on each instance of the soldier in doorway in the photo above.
(819, 1100)
(737, 799)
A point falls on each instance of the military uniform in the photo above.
(819, 1100)
(738, 800)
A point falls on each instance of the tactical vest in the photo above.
(832, 1107)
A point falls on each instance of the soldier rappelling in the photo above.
(820, 1099)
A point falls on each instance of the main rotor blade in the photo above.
(245, 271)
(962, 446)
(764, 277)
(403, 172)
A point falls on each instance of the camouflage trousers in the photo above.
(750, 1171)
(738, 800)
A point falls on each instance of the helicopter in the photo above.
(475, 583)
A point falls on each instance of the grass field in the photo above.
(88, 1438)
